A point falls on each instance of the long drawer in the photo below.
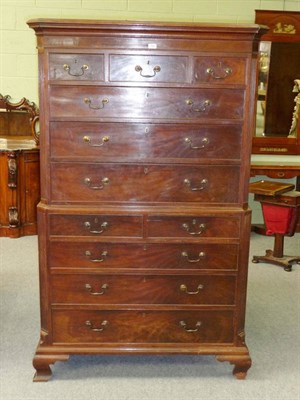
(106, 255)
(75, 182)
(142, 289)
(155, 103)
(75, 326)
(115, 141)
(155, 226)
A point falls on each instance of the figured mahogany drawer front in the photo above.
(219, 70)
(96, 225)
(193, 227)
(76, 182)
(117, 141)
(143, 289)
(148, 68)
(105, 256)
(154, 103)
(78, 67)
(78, 326)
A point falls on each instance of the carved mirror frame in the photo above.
(284, 30)
(25, 106)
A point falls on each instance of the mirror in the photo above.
(278, 71)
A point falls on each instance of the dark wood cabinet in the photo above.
(145, 161)
(19, 168)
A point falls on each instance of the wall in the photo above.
(18, 67)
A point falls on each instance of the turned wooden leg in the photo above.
(42, 365)
(241, 364)
(278, 245)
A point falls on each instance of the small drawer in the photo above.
(193, 227)
(75, 182)
(96, 225)
(220, 70)
(143, 289)
(287, 199)
(114, 141)
(83, 326)
(78, 67)
(105, 256)
(156, 103)
(148, 68)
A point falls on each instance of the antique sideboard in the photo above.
(19, 167)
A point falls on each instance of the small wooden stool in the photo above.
(280, 207)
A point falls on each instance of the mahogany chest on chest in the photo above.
(143, 223)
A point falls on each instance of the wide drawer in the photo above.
(75, 182)
(154, 103)
(105, 255)
(96, 225)
(192, 227)
(220, 70)
(78, 67)
(148, 68)
(143, 289)
(115, 141)
(75, 326)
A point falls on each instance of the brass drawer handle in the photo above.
(102, 104)
(83, 68)
(89, 288)
(183, 288)
(191, 230)
(189, 330)
(88, 183)
(203, 107)
(87, 139)
(156, 69)
(103, 227)
(188, 183)
(91, 326)
(97, 260)
(201, 255)
(204, 142)
(226, 71)
(280, 174)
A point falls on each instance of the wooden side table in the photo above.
(280, 211)
(286, 169)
